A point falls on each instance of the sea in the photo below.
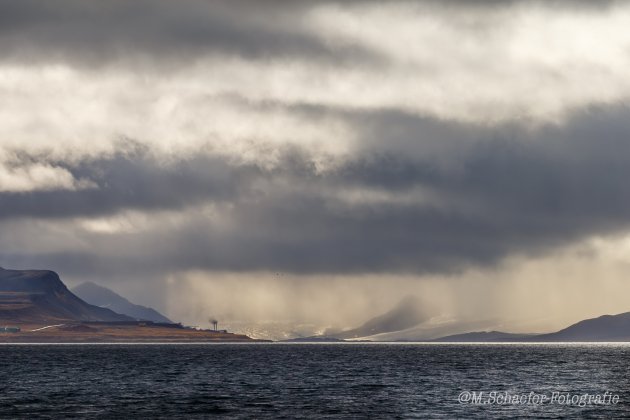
(330, 381)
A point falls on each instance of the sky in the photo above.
(314, 162)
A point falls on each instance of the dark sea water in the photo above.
(308, 380)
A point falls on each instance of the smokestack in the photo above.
(214, 323)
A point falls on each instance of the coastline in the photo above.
(113, 333)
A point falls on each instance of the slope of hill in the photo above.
(105, 298)
(41, 296)
(405, 315)
(603, 328)
(484, 337)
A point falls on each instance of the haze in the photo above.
(311, 163)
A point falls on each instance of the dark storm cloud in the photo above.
(503, 197)
(90, 33)
(176, 33)
(508, 191)
(130, 181)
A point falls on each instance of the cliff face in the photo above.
(41, 296)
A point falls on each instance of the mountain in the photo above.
(41, 296)
(105, 298)
(604, 328)
(435, 328)
(601, 329)
(483, 337)
(405, 315)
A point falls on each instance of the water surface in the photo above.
(305, 380)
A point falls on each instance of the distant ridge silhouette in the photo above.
(106, 298)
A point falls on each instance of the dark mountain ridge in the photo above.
(600, 329)
(41, 296)
(484, 337)
(603, 328)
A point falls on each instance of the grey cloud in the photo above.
(87, 33)
(131, 181)
(510, 190)
(176, 33)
